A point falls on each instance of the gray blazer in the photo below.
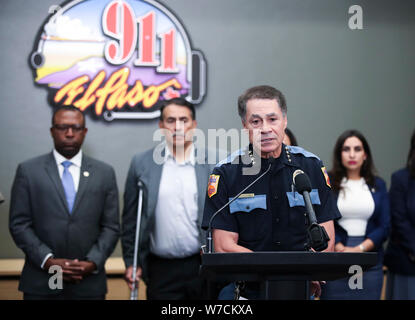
(143, 167)
(40, 222)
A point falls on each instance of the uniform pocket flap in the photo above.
(248, 204)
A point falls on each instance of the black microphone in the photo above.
(317, 237)
(209, 231)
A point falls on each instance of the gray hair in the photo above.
(261, 92)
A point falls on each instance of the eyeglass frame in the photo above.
(66, 127)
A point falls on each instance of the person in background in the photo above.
(64, 213)
(170, 234)
(363, 201)
(289, 138)
(400, 252)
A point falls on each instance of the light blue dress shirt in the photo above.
(176, 234)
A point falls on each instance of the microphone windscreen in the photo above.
(302, 182)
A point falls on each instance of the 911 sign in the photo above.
(118, 58)
(120, 23)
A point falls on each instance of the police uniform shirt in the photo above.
(270, 215)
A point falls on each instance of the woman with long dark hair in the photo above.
(363, 201)
(400, 253)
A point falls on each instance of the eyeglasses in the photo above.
(66, 127)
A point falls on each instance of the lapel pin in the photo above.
(86, 174)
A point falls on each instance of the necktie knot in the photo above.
(66, 164)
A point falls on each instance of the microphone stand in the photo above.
(209, 231)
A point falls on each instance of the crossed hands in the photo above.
(72, 270)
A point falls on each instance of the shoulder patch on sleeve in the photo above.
(299, 150)
(326, 176)
(212, 188)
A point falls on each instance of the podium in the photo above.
(283, 275)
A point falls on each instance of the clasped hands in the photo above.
(339, 247)
(72, 270)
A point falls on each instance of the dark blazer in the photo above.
(40, 222)
(400, 253)
(143, 167)
(378, 225)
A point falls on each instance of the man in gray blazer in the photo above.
(175, 178)
(64, 215)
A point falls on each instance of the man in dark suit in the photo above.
(64, 214)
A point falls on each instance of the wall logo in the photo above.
(118, 58)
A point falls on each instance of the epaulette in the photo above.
(231, 157)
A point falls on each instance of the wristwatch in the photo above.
(362, 247)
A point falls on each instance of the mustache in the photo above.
(178, 134)
(267, 136)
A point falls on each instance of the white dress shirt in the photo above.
(74, 169)
(176, 233)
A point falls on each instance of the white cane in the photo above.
(134, 290)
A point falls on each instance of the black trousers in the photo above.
(175, 279)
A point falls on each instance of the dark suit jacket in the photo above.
(400, 253)
(40, 222)
(143, 167)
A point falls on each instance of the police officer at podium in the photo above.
(270, 215)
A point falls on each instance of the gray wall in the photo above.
(334, 79)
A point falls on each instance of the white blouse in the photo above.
(356, 204)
